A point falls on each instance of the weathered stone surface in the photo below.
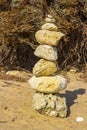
(45, 68)
(50, 20)
(51, 105)
(48, 84)
(49, 26)
(47, 52)
(48, 37)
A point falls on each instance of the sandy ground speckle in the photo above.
(16, 112)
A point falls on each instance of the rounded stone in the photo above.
(50, 20)
(49, 26)
(49, 16)
(48, 84)
(45, 68)
(47, 52)
(47, 37)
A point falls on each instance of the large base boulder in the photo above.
(51, 105)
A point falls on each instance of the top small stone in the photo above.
(50, 20)
(49, 16)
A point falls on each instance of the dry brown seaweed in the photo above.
(18, 27)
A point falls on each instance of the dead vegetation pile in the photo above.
(18, 26)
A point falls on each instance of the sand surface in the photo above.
(16, 112)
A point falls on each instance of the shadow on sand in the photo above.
(71, 96)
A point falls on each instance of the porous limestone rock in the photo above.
(49, 26)
(45, 68)
(48, 84)
(47, 52)
(48, 104)
(48, 37)
(50, 20)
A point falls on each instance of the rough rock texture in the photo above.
(47, 52)
(49, 26)
(45, 68)
(49, 104)
(48, 37)
(48, 84)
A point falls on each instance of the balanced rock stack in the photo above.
(46, 82)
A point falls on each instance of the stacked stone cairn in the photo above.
(46, 82)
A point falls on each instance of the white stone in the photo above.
(45, 68)
(79, 119)
(48, 104)
(49, 16)
(49, 26)
(48, 84)
(51, 38)
(50, 20)
(47, 52)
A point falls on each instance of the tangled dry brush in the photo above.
(19, 24)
